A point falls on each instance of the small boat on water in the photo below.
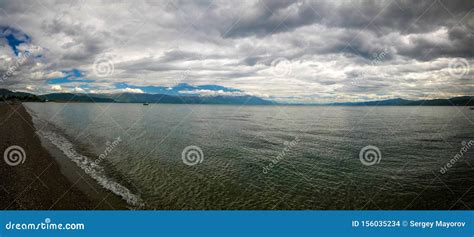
(145, 104)
(472, 108)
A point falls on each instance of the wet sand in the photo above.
(38, 183)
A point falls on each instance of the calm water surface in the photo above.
(314, 151)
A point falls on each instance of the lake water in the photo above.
(268, 157)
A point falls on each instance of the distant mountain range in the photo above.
(193, 99)
(175, 99)
(134, 98)
(456, 101)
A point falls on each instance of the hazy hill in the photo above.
(193, 99)
(458, 101)
(133, 98)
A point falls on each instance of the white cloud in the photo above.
(132, 90)
(193, 42)
(55, 74)
(56, 88)
(30, 88)
(79, 90)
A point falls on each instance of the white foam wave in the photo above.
(91, 168)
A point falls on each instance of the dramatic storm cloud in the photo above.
(295, 51)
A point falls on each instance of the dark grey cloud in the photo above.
(334, 50)
(365, 25)
(404, 16)
(269, 17)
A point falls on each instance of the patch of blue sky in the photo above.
(73, 75)
(14, 38)
(175, 90)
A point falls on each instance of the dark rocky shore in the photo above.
(36, 184)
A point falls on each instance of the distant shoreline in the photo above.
(144, 98)
(290, 105)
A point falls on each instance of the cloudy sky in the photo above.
(295, 51)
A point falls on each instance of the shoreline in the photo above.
(44, 181)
